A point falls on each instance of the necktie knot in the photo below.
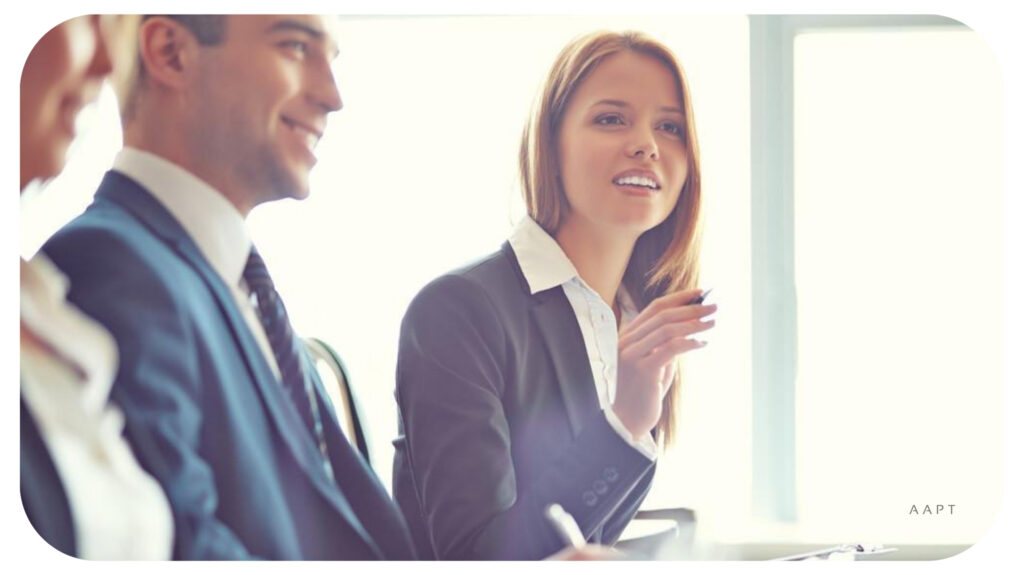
(256, 273)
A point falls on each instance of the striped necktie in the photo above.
(287, 351)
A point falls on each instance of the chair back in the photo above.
(337, 383)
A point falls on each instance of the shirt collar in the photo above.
(212, 222)
(545, 264)
(542, 260)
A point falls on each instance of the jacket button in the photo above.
(589, 498)
(600, 487)
(611, 475)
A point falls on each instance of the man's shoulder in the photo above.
(102, 219)
(105, 231)
(107, 246)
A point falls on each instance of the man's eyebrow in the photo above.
(295, 26)
(313, 32)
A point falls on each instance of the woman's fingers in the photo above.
(657, 337)
(668, 351)
(647, 346)
(638, 330)
(668, 372)
(668, 301)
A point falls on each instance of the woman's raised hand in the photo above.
(647, 348)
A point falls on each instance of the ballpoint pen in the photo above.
(700, 299)
(565, 525)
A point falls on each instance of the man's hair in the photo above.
(208, 30)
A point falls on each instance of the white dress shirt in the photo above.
(545, 266)
(118, 510)
(213, 223)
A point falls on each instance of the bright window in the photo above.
(898, 269)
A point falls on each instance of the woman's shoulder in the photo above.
(493, 281)
(499, 266)
(497, 274)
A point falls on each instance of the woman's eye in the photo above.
(672, 128)
(609, 120)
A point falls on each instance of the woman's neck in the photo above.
(600, 258)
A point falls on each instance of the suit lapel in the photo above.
(554, 318)
(289, 425)
(563, 340)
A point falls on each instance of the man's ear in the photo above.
(168, 51)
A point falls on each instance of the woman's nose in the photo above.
(643, 146)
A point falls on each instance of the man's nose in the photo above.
(324, 90)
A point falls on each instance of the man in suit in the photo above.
(222, 405)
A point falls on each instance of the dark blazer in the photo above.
(499, 417)
(42, 493)
(204, 413)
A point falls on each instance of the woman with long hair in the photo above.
(546, 372)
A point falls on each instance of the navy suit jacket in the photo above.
(500, 417)
(204, 412)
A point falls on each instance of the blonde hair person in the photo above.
(81, 486)
(545, 372)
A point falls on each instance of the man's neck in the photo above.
(180, 156)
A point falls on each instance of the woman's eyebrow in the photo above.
(626, 105)
(615, 103)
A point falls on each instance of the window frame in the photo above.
(774, 335)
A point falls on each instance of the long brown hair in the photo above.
(666, 257)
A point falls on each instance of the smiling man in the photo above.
(222, 405)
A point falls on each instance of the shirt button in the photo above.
(589, 498)
(610, 474)
(600, 487)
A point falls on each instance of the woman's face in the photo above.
(621, 146)
(63, 73)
